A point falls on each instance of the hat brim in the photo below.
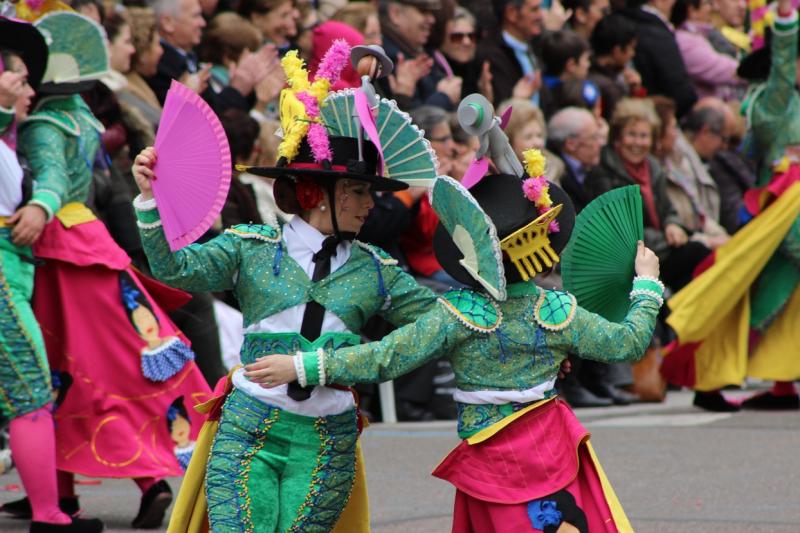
(360, 51)
(378, 183)
(73, 87)
(25, 39)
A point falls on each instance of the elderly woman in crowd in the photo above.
(690, 188)
(527, 129)
(626, 160)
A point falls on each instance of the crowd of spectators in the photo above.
(614, 92)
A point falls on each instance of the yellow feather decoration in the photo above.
(534, 162)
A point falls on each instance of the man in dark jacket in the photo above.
(180, 25)
(406, 26)
(514, 67)
(658, 58)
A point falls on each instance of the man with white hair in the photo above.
(180, 26)
(573, 134)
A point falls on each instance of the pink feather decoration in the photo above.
(533, 188)
(317, 138)
(334, 61)
(312, 106)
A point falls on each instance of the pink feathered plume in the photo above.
(334, 61)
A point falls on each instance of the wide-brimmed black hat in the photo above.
(24, 39)
(502, 199)
(345, 164)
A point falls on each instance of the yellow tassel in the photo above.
(534, 162)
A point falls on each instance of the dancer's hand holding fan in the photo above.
(193, 167)
(597, 265)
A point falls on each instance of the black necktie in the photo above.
(314, 313)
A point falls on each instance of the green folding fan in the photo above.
(597, 266)
(407, 155)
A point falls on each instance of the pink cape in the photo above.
(541, 453)
(111, 421)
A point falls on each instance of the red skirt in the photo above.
(536, 472)
(111, 420)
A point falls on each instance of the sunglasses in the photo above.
(459, 36)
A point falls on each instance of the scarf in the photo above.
(641, 175)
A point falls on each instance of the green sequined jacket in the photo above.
(252, 261)
(516, 344)
(60, 140)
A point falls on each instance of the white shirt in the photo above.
(302, 242)
(10, 180)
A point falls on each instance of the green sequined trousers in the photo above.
(258, 476)
(24, 372)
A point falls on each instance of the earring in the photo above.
(322, 207)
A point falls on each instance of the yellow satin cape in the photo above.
(715, 307)
(190, 514)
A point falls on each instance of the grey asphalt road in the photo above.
(674, 468)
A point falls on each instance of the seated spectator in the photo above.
(731, 171)
(526, 129)
(690, 188)
(626, 160)
(614, 45)
(364, 18)
(513, 65)
(585, 15)
(566, 57)
(658, 58)
(180, 25)
(457, 55)
(406, 26)
(225, 40)
(575, 138)
(731, 37)
(712, 73)
(141, 108)
(276, 19)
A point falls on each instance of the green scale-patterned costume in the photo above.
(513, 345)
(24, 372)
(260, 447)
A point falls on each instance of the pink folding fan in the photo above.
(193, 167)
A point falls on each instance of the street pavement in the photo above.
(675, 469)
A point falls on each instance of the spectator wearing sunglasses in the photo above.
(614, 45)
(457, 54)
(586, 14)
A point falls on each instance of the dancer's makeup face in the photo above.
(353, 204)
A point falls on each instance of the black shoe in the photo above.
(78, 525)
(22, 508)
(411, 412)
(615, 394)
(153, 506)
(766, 401)
(578, 396)
(714, 401)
